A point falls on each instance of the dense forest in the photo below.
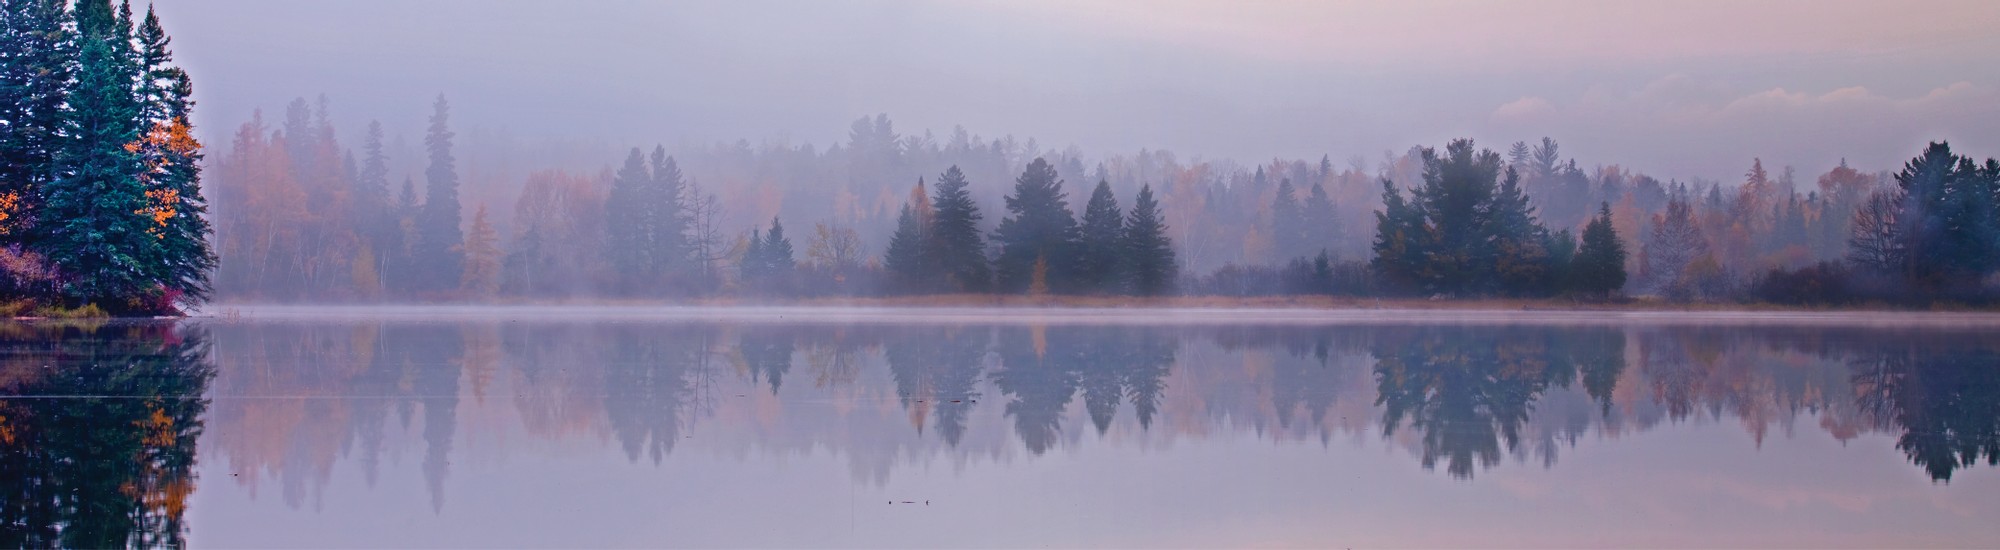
(304, 218)
(101, 205)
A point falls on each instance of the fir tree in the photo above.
(94, 219)
(1040, 228)
(904, 256)
(1520, 259)
(777, 251)
(440, 249)
(1400, 241)
(173, 177)
(959, 248)
(667, 230)
(1150, 265)
(1322, 220)
(1599, 268)
(1288, 222)
(629, 218)
(1099, 243)
(37, 59)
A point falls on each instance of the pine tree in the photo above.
(482, 258)
(1322, 220)
(1521, 263)
(665, 201)
(440, 249)
(172, 157)
(904, 256)
(94, 217)
(777, 249)
(1599, 268)
(959, 248)
(1401, 241)
(1288, 222)
(629, 219)
(1150, 265)
(38, 54)
(1100, 239)
(1040, 228)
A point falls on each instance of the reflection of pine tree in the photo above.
(647, 388)
(768, 352)
(1467, 391)
(1040, 384)
(1947, 404)
(110, 470)
(437, 360)
(937, 370)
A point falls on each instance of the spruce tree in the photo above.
(665, 202)
(1039, 229)
(1150, 265)
(1099, 242)
(173, 178)
(38, 55)
(777, 249)
(628, 218)
(959, 248)
(904, 256)
(754, 265)
(94, 218)
(1599, 268)
(1401, 242)
(1288, 230)
(1520, 259)
(1322, 221)
(440, 239)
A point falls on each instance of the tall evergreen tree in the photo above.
(778, 258)
(1599, 268)
(38, 55)
(905, 255)
(1322, 220)
(665, 201)
(95, 221)
(1150, 265)
(1288, 228)
(959, 248)
(1521, 263)
(629, 221)
(172, 159)
(1040, 229)
(1401, 240)
(1099, 244)
(440, 250)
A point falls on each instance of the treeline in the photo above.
(101, 205)
(302, 218)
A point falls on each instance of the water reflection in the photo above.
(100, 423)
(97, 433)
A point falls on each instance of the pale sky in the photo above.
(1676, 89)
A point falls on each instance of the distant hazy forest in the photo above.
(305, 211)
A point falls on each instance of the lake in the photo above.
(775, 427)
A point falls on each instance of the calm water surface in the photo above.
(571, 431)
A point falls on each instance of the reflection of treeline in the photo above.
(98, 426)
(1465, 397)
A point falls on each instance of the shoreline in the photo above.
(1087, 310)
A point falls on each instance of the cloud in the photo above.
(1526, 107)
